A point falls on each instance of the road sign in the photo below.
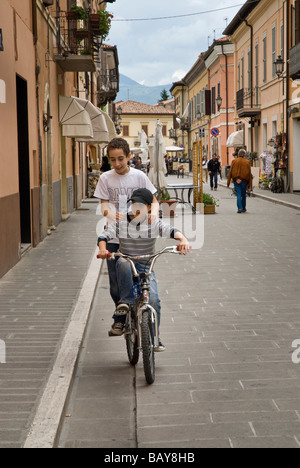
(215, 132)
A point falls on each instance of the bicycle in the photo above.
(141, 327)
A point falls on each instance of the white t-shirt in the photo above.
(118, 189)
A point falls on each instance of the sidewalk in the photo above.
(37, 299)
(290, 200)
(230, 313)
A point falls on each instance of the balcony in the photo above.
(295, 62)
(78, 42)
(248, 103)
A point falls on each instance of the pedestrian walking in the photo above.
(240, 173)
(213, 170)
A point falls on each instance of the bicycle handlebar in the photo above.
(171, 249)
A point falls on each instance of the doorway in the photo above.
(23, 157)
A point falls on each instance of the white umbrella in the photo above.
(157, 152)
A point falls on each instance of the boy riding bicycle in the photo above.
(137, 236)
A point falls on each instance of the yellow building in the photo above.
(137, 116)
(180, 92)
(198, 113)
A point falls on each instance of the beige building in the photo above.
(136, 117)
(46, 56)
(264, 101)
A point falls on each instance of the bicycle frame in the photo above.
(145, 305)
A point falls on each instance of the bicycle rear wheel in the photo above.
(148, 347)
(133, 351)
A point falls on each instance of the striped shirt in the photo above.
(138, 239)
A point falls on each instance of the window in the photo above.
(265, 59)
(239, 77)
(282, 40)
(273, 51)
(164, 130)
(242, 73)
(249, 69)
(145, 128)
(125, 130)
(213, 100)
(256, 74)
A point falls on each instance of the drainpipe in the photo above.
(227, 101)
(251, 78)
(37, 72)
(288, 93)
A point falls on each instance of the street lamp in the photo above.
(279, 66)
(219, 101)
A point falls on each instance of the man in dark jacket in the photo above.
(214, 170)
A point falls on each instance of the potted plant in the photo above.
(209, 203)
(77, 13)
(104, 22)
(168, 205)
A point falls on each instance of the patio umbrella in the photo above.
(176, 149)
(157, 152)
(100, 130)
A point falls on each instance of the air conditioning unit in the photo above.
(48, 3)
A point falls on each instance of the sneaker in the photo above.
(161, 348)
(117, 329)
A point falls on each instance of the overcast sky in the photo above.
(162, 51)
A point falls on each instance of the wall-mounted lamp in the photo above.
(279, 66)
(219, 101)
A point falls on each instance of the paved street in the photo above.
(230, 316)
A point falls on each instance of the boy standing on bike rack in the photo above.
(137, 236)
(114, 189)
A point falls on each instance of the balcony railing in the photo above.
(295, 62)
(78, 42)
(248, 102)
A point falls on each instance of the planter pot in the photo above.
(81, 34)
(169, 207)
(71, 15)
(210, 209)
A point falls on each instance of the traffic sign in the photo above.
(215, 132)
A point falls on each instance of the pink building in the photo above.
(219, 61)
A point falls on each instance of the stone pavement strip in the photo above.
(37, 299)
(230, 315)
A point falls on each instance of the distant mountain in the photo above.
(131, 90)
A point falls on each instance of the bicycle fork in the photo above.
(154, 318)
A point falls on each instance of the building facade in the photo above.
(219, 62)
(136, 117)
(262, 32)
(47, 58)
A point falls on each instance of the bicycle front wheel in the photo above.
(133, 351)
(148, 347)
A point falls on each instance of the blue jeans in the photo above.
(126, 283)
(213, 179)
(241, 192)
